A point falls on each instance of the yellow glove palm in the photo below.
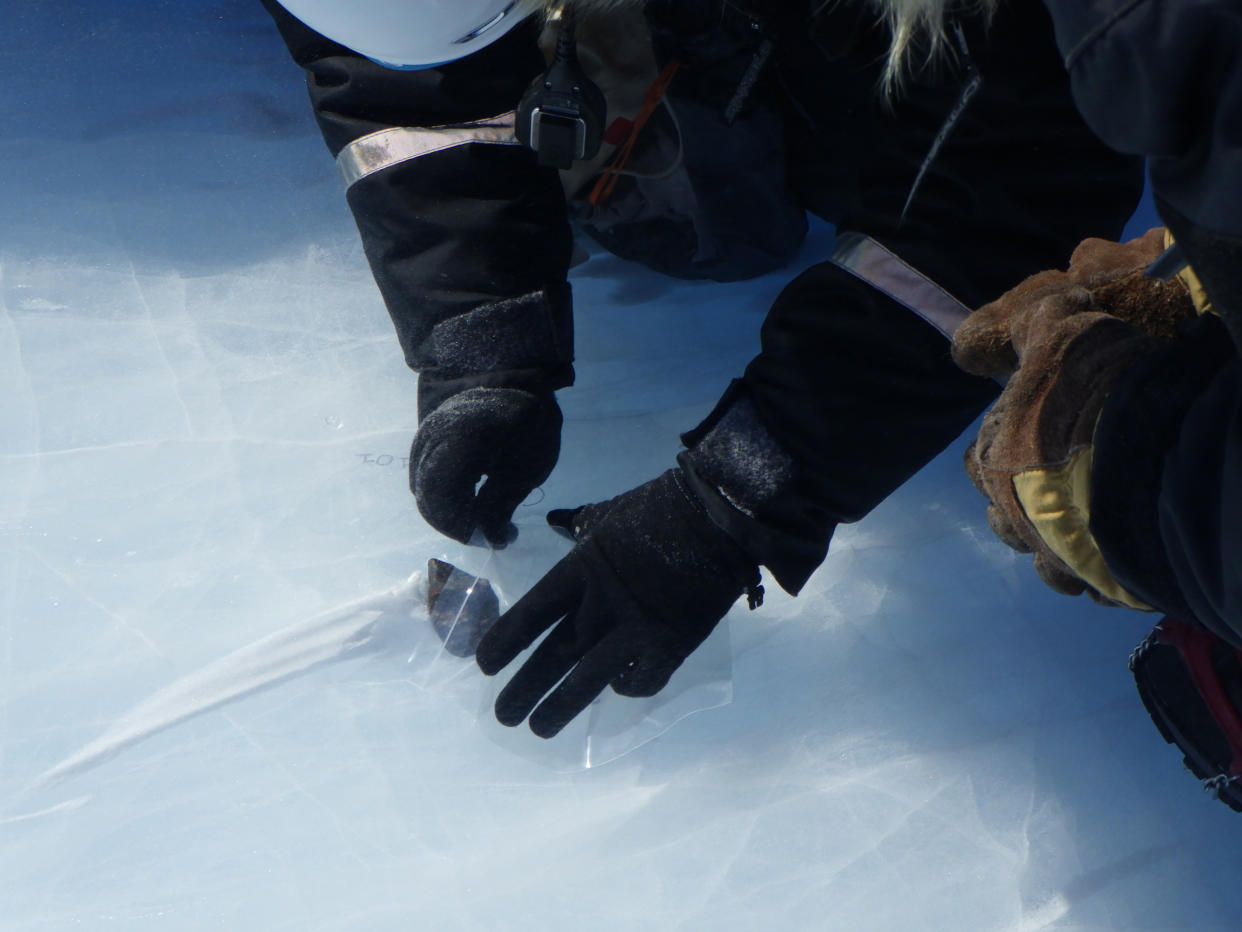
(1061, 339)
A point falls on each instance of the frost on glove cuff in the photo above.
(749, 486)
(523, 343)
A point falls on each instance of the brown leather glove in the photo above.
(1113, 274)
(1061, 339)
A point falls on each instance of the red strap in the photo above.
(618, 130)
(1195, 646)
(607, 180)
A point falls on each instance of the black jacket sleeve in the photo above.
(469, 245)
(1164, 80)
(852, 393)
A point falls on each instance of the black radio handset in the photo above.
(562, 114)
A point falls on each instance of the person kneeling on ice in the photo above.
(946, 142)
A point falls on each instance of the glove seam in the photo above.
(434, 392)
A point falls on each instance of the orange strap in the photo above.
(607, 180)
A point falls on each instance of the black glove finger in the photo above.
(577, 523)
(532, 445)
(546, 667)
(509, 435)
(599, 667)
(562, 521)
(494, 506)
(443, 482)
(549, 600)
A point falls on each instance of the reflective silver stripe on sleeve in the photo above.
(387, 147)
(885, 271)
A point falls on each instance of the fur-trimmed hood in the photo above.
(911, 20)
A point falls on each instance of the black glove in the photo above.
(509, 435)
(649, 579)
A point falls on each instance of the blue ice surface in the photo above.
(205, 415)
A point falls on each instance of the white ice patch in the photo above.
(205, 420)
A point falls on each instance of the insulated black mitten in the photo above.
(650, 577)
(510, 436)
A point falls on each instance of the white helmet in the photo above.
(412, 33)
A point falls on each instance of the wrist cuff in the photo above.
(748, 484)
(530, 331)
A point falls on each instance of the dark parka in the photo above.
(1165, 79)
(852, 392)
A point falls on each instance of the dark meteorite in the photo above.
(462, 607)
